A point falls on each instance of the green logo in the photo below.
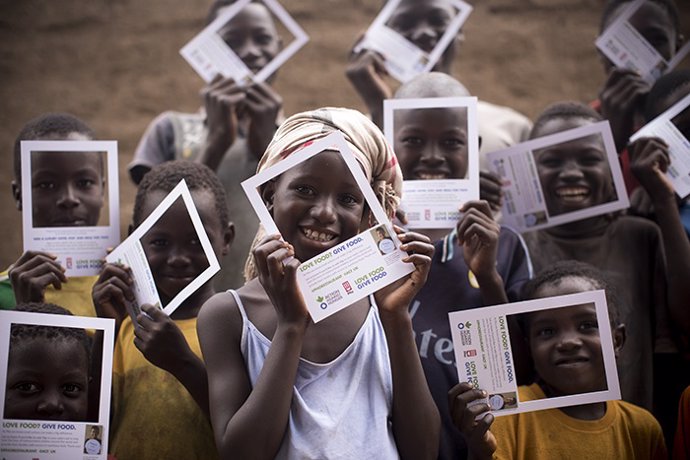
(319, 299)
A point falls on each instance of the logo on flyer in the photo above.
(68, 262)
(348, 287)
(469, 353)
(464, 325)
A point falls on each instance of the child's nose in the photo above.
(68, 197)
(177, 257)
(424, 34)
(432, 155)
(569, 341)
(324, 211)
(249, 51)
(50, 405)
(571, 170)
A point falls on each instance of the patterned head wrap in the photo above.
(364, 138)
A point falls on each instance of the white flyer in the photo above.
(351, 269)
(405, 60)
(536, 192)
(73, 352)
(132, 253)
(436, 141)
(626, 48)
(484, 354)
(70, 201)
(672, 126)
(214, 50)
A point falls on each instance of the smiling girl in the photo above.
(352, 385)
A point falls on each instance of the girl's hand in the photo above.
(277, 267)
(622, 98)
(649, 161)
(397, 296)
(32, 273)
(478, 235)
(263, 105)
(159, 339)
(112, 291)
(480, 441)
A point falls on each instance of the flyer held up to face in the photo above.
(174, 223)
(560, 178)
(70, 201)
(567, 375)
(248, 41)
(436, 142)
(319, 200)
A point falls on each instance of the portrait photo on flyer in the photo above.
(334, 276)
(144, 252)
(535, 193)
(392, 35)
(624, 44)
(436, 142)
(673, 127)
(70, 201)
(221, 48)
(485, 354)
(56, 373)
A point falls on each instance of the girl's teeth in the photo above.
(317, 236)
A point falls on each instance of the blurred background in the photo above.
(116, 65)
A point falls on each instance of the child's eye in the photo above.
(550, 162)
(454, 143)
(264, 39)
(590, 160)
(413, 141)
(305, 190)
(72, 389)
(85, 183)
(349, 199)
(45, 185)
(589, 325)
(545, 332)
(27, 388)
(159, 243)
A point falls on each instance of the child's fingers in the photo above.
(482, 206)
(263, 249)
(418, 247)
(28, 255)
(274, 262)
(152, 313)
(406, 236)
(481, 426)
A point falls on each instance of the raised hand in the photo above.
(649, 161)
(366, 71)
(112, 292)
(32, 273)
(480, 441)
(622, 99)
(263, 105)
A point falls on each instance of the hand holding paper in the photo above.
(622, 100)
(478, 235)
(263, 105)
(159, 339)
(466, 409)
(366, 71)
(33, 272)
(112, 292)
(649, 161)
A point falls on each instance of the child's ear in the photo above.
(618, 334)
(17, 194)
(228, 238)
(267, 194)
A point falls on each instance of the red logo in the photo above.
(469, 353)
(348, 288)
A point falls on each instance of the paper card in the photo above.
(673, 126)
(484, 355)
(534, 200)
(351, 269)
(215, 49)
(79, 428)
(133, 253)
(447, 122)
(405, 60)
(70, 201)
(626, 48)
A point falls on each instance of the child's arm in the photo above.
(32, 273)
(478, 235)
(163, 345)
(221, 98)
(250, 422)
(416, 422)
(112, 291)
(366, 70)
(649, 162)
(622, 97)
(481, 442)
(263, 105)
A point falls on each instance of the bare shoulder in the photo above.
(219, 312)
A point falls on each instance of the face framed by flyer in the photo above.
(174, 225)
(56, 381)
(566, 375)
(70, 201)
(412, 36)
(319, 200)
(248, 41)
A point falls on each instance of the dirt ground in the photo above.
(115, 63)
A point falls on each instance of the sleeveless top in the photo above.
(341, 409)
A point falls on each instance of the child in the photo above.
(230, 133)
(48, 370)
(628, 248)
(495, 255)
(423, 22)
(350, 386)
(566, 350)
(623, 94)
(36, 276)
(160, 393)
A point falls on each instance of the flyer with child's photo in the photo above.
(391, 35)
(70, 202)
(560, 178)
(484, 352)
(626, 47)
(349, 270)
(141, 245)
(55, 377)
(436, 142)
(673, 126)
(248, 41)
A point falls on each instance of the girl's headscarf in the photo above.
(368, 145)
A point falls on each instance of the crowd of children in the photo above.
(239, 370)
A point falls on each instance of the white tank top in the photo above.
(341, 409)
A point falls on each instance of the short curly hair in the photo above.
(21, 333)
(165, 176)
(48, 124)
(563, 110)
